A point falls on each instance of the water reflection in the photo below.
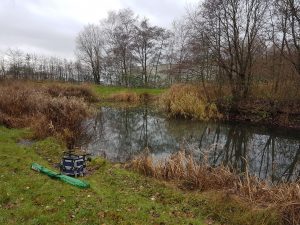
(272, 154)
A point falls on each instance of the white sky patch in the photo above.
(51, 26)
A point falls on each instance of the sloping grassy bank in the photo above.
(123, 94)
(116, 196)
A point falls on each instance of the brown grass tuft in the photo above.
(188, 101)
(131, 97)
(49, 110)
(125, 97)
(67, 90)
(189, 174)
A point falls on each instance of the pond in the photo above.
(272, 154)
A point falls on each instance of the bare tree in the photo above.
(2, 66)
(90, 50)
(234, 31)
(178, 49)
(146, 46)
(15, 60)
(288, 23)
(119, 30)
(161, 53)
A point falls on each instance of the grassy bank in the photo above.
(123, 94)
(116, 196)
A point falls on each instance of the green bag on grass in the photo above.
(64, 178)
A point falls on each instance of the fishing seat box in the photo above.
(73, 165)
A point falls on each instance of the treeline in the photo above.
(17, 64)
(237, 44)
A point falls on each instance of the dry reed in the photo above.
(71, 90)
(188, 101)
(49, 110)
(130, 97)
(124, 97)
(189, 174)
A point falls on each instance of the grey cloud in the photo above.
(22, 27)
(162, 12)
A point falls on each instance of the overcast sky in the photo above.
(50, 26)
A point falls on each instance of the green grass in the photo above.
(116, 196)
(106, 91)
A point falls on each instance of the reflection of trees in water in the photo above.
(122, 133)
(267, 156)
(291, 170)
(125, 132)
(114, 138)
(235, 148)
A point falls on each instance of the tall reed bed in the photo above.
(48, 109)
(189, 174)
(188, 101)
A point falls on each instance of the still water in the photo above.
(119, 134)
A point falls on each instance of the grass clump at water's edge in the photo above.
(116, 196)
(187, 101)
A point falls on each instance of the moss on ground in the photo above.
(116, 196)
